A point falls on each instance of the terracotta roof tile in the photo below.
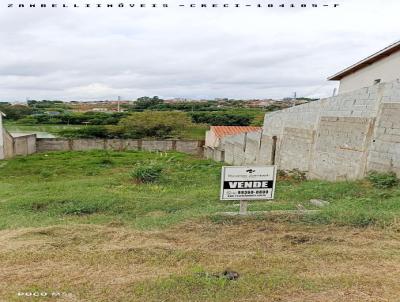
(221, 131)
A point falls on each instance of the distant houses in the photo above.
(383, 66)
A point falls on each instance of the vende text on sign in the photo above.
(248, 183)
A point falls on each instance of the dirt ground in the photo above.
(275, 261)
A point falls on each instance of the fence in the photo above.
(194, 147)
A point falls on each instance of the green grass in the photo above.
(96, 187)
(195, 132)
(98, 234)
(206, 287)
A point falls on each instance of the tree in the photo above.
(146, 102)
(151, 124)
(15, 112)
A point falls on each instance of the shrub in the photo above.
(92, 118)
(147, 174)
(294, 175)
(15, 112)
(222, 118)
(86, 132)
(151, 124)
(383, 180)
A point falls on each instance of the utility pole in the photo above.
(295, 98)
(119, 100)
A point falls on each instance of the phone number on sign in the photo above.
(253, 192)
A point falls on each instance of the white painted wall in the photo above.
(1, 138)
(360, 103)
(387, 69)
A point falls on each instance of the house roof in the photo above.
(367, 61)
(221, 131)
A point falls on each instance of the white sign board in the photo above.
(248, 183)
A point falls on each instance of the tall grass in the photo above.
(97, 187)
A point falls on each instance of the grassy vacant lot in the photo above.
(77, 222)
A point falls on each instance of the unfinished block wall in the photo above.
(340, 148)
(338, 138)
(295, 148)
(384, 153)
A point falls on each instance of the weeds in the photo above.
(149, 173)
(293, 175)
(383, 180)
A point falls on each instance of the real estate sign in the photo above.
(248, 183)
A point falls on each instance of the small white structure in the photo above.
(1, 136)
(383, 66)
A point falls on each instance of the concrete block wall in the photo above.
(384, 154)
(8, 145)
(227, 144)
(340, 148)
(214, 154)
(252, 147)
(2, 147)
(266, 151)
(54, 144)
(339, 138)
(360, 103)
(295, 149)
(88, 144)
(194, 147)
(240, 149)
(191, 147)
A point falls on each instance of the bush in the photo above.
(151, 124)
(383, 180)
(222, 118)
(86, 132)
(92, 118)
(294, 175)
(147, 174)
(15, 112)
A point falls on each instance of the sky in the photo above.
(94, 53)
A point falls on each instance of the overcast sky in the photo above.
(101, 53)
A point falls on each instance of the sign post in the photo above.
(247, 183)
(243, 207)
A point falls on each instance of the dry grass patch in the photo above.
(276, 262)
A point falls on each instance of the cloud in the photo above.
(214, 52)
